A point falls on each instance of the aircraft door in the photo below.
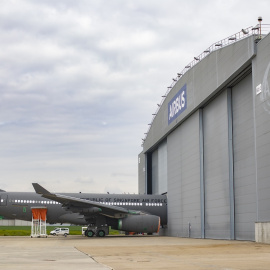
(3, 200)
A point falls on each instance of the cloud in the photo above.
(79, 81)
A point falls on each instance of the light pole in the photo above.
(260, 22)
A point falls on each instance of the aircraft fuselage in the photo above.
(17, 205)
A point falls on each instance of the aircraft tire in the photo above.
(89, 233)
(101, 233)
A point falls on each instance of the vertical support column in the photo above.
(255, 141)
(231, 175)
(202, 191)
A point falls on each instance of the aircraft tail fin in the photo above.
(39, 189)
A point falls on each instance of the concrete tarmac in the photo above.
(44, 253)
(131, 252)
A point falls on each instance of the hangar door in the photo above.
(184, 179)
(216, 168)
(244, 160)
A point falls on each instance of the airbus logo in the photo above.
(177, 104)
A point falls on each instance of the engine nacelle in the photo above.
(140, 224)
(73, 218)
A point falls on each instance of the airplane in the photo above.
(125, 212)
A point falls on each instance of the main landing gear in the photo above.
(100, 232)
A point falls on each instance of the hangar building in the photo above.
(208, 145)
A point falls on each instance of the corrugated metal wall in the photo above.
(184, 170)
(261, 76)
(174, 183)
(244, 160)
(190, 174)
(184, 176)
(216, 170)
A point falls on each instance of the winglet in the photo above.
(39, 189)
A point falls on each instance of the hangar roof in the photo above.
(206, 75)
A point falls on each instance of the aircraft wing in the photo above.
(86, 207)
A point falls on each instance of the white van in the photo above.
(60, 231)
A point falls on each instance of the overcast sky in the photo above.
(79, 81)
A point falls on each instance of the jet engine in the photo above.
(140, 224)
